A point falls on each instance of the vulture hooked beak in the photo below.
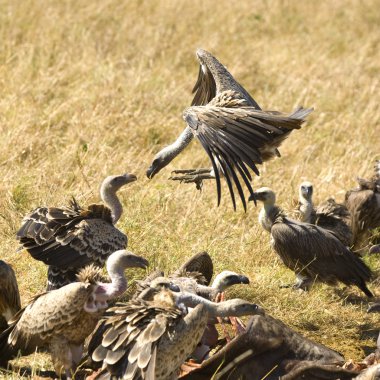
(237, 279)
(253, 198)
(130, 177)
(157, 164)
(152, 171)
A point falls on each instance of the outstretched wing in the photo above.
(237, 138)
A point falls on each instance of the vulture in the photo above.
(10, 302)
(201, 264)
(69, 238)
(190, 283)
(193, 276)
(61, 319)
(234, 131)
(312, 252)
(363, 203)
(265, 350)
(151, 339)
(329, 215)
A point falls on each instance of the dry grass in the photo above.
(92, 88)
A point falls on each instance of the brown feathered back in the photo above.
(364, 205)
(69, 238)
(317, 254)
(9, 294)
(148, 339)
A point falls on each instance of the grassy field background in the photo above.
(93, 88)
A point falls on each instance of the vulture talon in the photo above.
(192, 176)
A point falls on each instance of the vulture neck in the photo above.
(306, 208)
(266, 218)
(214, 309)
(118, 285)
(112, 201)
(173, 150)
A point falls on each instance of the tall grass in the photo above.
(93, 88)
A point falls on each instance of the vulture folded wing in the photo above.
(9, 294)
(71, 237)
(237, 138)
(317, 253)
(130, 336)
(364, 206)
(48, 314)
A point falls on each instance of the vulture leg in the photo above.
(302, 283)
(76, 353)
(61, 357)
(193, 175)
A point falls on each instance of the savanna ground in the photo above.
(93, 88)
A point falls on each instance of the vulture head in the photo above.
(113, 183)
(265, 195)
(306, 191)
(160, 160)
(227, 278)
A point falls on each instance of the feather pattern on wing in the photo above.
(316, 253)
(70, 238)
(9, 294)
(148, 339)
(237, 137)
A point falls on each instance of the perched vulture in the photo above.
(151, 339)
(233, 130)
(10, 302)
(364, 206)
(69, 238)
(329, 215)
(61, 319)
(312, 252)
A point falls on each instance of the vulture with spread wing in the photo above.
(233, 130)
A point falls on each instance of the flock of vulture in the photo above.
(166, 328)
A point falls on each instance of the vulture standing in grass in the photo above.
(10, 302)
(312, 252)
(232, 128)
(151, 339)
(364, 206)
(69, 238)
(329, 215)
(61, 319)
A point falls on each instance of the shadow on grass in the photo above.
(36, 374)
(349, 298)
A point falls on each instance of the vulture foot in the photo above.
(192, 175)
